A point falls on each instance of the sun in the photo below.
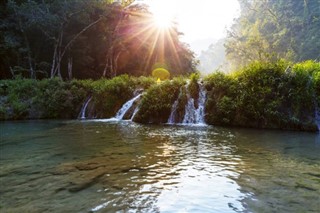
(162, 21)
(163, 14)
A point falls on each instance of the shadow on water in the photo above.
(109, 166)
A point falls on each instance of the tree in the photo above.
(45, 38)
(269, 30)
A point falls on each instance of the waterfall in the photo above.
(192, 114)
(134, 113)
(172, 116)
(316, 105)
(195, 115)
(124, 109)
(82, 114)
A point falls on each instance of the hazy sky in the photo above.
(198, 19)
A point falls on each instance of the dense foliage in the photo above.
(261, 95)
(85, 39)
(157, 102)
(54, 98)
(265, 95)
(107, 40)
(269, 30)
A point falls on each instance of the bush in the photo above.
(193, 86)
(54, 98)
(157, 102)
(263, 95)
(110, 95)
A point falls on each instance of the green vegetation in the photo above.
(54, 98)
(265, 95)
(110, 95)
(85, 39)
(193, 86)
(261, 95)
(271, 30)
(98, 46)
(157, 102)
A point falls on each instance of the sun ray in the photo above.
(175, 53)
(154, 30)
(156, 38)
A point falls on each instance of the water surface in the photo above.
(99, 166)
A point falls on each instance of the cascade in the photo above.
(134, 113)
(316, 105)
(171, 119)
(124, 109)
(173, 115)
(82, 114)
(193, 114)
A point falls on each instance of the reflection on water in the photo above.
(99, 166)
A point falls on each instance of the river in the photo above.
(119, 166)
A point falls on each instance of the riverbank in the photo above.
(262, 95)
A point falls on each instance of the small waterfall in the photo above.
(172, 116)
(316, 105)
(134, 113)
(192, 114)
(82, 114)
(124, 109)
(195, 115)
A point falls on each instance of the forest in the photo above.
(56, 54)
(93, 39)
(86, 39)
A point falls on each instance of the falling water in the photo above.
(316, 104)
(134, 113)
(172, 116)
(124, 109)
(82, 114)
(195, 115)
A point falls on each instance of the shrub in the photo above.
(263, 95)
(110, 95)
(193, 86)
(157, 102)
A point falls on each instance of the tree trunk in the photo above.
(54, 58)
(109, 64)
(70, 68)
(61, 51)
(115, 67)
(31, 69)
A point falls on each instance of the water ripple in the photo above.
(125, 167)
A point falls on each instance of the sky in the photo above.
(199, 20)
